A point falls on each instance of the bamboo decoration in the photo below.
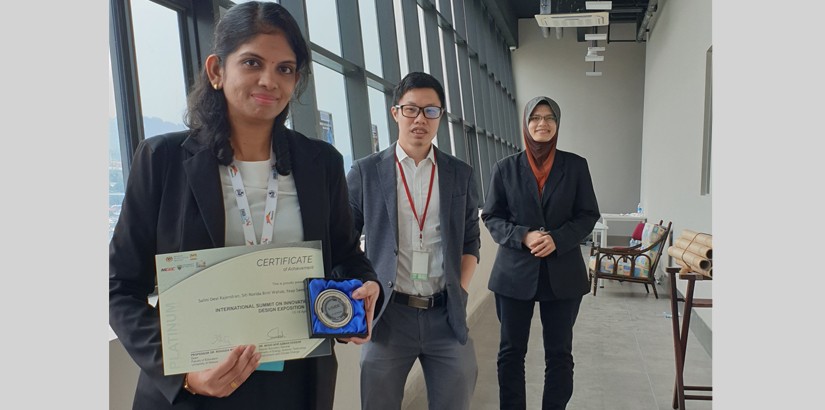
(693, 251)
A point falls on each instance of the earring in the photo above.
(215, 86)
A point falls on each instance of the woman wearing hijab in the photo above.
(539, 207)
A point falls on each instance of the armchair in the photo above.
(636, 264)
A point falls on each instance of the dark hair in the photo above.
(418, 80)
(206, 111)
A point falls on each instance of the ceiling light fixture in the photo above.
(595, 37)
(592, 56)
(593, 73)
(598, 5)
(594, 49)
(573, 19)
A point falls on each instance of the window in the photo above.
(322, 16)
(160, 67)
(369, 36)
(332, 107)
(378, 115)
(402, 40)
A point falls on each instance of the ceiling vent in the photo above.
(573, 19)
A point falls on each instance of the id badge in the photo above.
(420, 265)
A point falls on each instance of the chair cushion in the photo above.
(641, 270)
(636, 238)
(637, 233)
(651, 234)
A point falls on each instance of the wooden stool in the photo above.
(680, 337)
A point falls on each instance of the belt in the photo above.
(420, 302)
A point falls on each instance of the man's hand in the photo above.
(369, 292)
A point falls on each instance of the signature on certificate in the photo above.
(275, 333)
(221, 340)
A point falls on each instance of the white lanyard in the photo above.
(268, 227)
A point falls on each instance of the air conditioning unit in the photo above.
(573, 19)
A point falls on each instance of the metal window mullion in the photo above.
(355, 81)
(388, 41)
(390, 63)
(412, 35)
(474, 160)
(484, 157)
(478, 94)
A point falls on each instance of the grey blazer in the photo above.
(372, 196)
(567, 209)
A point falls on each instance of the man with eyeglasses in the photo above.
(417, 207)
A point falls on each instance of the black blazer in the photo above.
(567, 210)
(174, 203)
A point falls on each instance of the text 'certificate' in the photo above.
(215, 299)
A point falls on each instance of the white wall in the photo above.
(640, 124)
(673, 122)
(601, 117)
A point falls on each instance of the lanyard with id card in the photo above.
(421, 257)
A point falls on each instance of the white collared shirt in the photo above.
(418, 180)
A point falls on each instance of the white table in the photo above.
(619, 217)
(600, 234)
(601, 227)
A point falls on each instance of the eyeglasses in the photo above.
(537, 118)
(412, 111)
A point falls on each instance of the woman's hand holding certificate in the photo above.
(228, 375)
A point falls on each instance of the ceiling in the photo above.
(642, 13)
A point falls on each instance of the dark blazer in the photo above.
(567, 210)
(174, 203)
(374, 202)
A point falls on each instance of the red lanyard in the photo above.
(409, 197)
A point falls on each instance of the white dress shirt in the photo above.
(418, 181)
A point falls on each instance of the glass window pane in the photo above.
(116, 183)
(369, 36)
(322, 17)
(332, 108)
(423, 34)
(160, 67)
(378, 115)
(402, 42)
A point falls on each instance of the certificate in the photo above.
(215, 299)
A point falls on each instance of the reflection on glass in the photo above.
(160, 67)
(322, 17)
(378, 115)
(369, 36)
(332, 107)
(402, 42)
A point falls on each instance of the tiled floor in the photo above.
(622, 348)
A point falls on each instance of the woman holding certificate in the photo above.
(237, 177)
